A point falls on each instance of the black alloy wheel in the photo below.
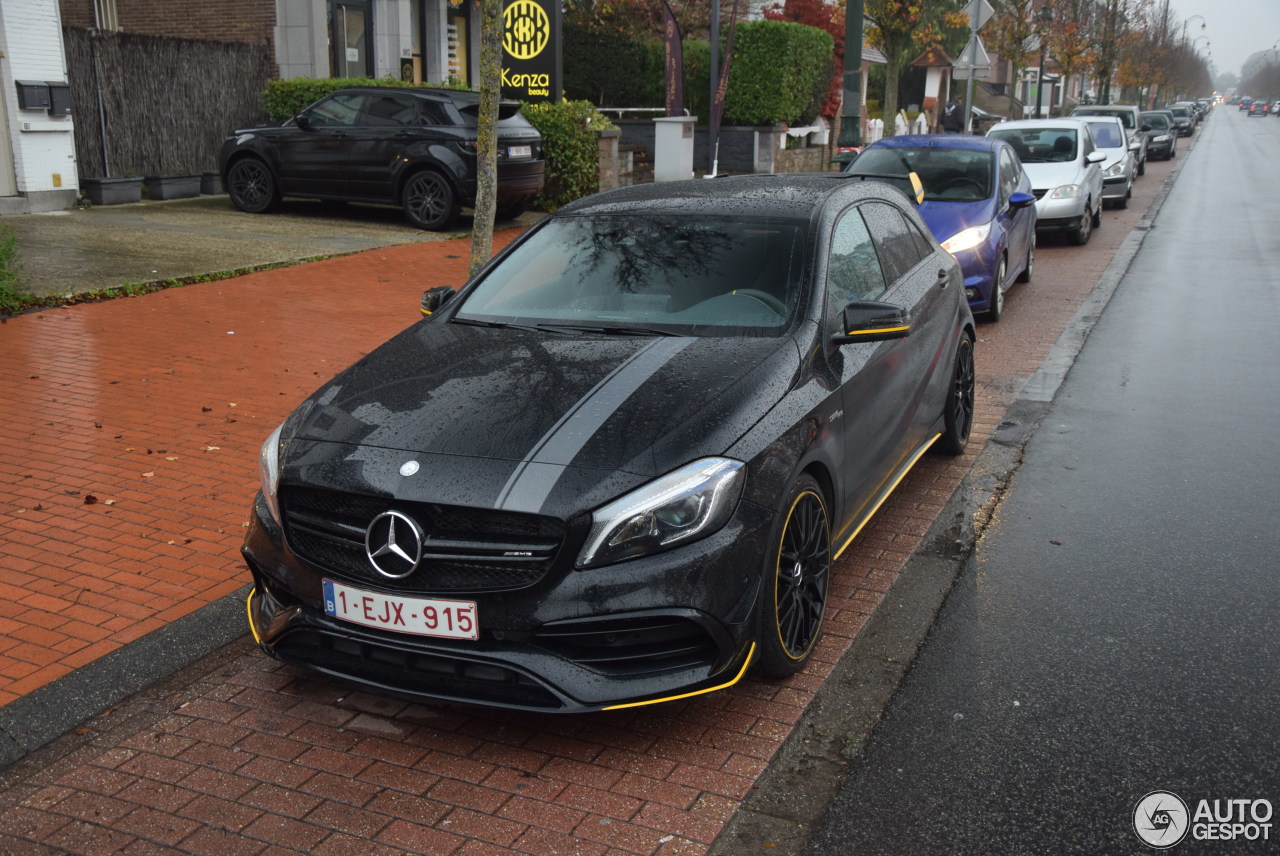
(793, 598)
(957, 419)
(251, 186)
(429, 201)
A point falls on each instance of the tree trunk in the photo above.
(892, 73)
(487, 134)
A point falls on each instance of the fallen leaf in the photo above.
(90, 499)
(232, 404)
(213, 448)
(206, 409)
(148, 475)
(172, 458)
(109, 502)
(1056, 543)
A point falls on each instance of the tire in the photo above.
(1142, 167)
(1097, 215)
(251, 186)
(1080, 235)
(1030, 269)
(429, 201)
(957, 418)
(1123, 201)
(797, 573)
(997, 293)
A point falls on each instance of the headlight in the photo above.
(1115, 169)
(1066, 191)
(968, 239)
(1163, 138)
(269, 471)
(689, 503)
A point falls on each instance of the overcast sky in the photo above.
(1234, 29)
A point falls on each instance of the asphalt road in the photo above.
(1114, 634)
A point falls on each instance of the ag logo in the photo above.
(1161, 820)
(526, 29)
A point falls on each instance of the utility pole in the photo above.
(851, 103)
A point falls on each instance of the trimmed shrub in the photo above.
(571, 148)
(284, 99)
(610, 67)
(779, 72)
(10, 301)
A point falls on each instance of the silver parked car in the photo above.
(1063, 163)
(1128, 114)
(1120, 167)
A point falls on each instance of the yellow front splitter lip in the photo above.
(746, 664)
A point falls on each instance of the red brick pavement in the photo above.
(155, 406)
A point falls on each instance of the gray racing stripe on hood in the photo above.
(536, 475)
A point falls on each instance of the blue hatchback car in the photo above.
(977, 202)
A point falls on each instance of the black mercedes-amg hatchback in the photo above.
(617, 466)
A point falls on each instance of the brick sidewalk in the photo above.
(156, 406)
(131, 434)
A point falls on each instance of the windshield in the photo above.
(1107, 135)
(1039, 145)
(648, 274)
(1125, 116)
(1155, 121)
(948, 175)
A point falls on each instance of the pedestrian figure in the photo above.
(952, 117)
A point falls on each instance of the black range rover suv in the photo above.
(413, 147)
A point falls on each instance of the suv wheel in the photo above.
(251, 186)
(429, 201)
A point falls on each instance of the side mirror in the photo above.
(1018, 199)
(434, 298)
(872, 321)
(1095, 157)
(1146, 129)
(302, 121)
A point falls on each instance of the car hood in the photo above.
(501, 416)
(1046, 176)
(945, 219)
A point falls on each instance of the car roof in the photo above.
(1024, 124)
(784, 196)
(939, 141)
(458, 96)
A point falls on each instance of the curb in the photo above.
(793, 796)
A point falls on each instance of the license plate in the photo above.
(520, 151)
(420, 616)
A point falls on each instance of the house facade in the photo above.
(37, 147)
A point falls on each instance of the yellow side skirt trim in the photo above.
(738, 677)
(888, 493)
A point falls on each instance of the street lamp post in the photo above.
(1203, 24)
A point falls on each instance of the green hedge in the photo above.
(779, 71)
(570, 146)
(10, 300)
(610, 67)
(285, 99)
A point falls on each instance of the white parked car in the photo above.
(1121, 167)
(1063, 162)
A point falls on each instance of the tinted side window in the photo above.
(853, 271)
(390, 110)
(340, 109)
(434, 113)
(891, 233)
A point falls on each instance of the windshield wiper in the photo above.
(613, 331)
(504, 325)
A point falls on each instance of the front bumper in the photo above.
(1116, 188)
(653, 629)
(1059, 215)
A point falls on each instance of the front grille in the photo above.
(430, 674)
(630, 646)
(466, 549)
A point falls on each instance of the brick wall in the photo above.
(249, 21)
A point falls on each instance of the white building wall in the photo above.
(302, 38)
(44, 153)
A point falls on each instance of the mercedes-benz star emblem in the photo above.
(393, 543)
